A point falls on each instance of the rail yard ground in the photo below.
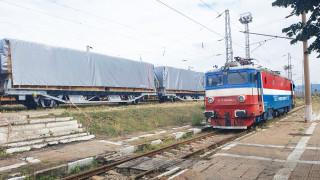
(114, 126)
(285, 147)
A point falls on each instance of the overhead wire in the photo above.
(200, 24)
(76, 22)
(240, 29)
(109, 20)
(204, 26)
(82, 24)
(54, 33)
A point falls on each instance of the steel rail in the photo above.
(211, 147)
(104, 168)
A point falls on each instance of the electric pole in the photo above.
(308, 105)
(288, 67)
(245, 19)
(229, 51)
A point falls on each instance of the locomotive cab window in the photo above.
(215, 80)
(253, 78)
(237, 78)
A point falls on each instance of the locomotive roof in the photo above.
(249, 67)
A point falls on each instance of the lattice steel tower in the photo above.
(245, 19)
(229, 51)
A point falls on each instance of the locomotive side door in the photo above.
(259, 86)
(256, 82)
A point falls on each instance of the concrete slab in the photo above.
(80, 163)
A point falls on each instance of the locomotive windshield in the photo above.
(237, 78)
(214, 80)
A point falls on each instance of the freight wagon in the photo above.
(239, 96)
(179, 84)
(39, 75)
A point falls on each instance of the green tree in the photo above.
(312, 27)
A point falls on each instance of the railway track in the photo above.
(163, 159)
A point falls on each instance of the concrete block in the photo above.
(83, 138)
(178, 135)
(195, 130)
(47, 120)
(132, 139)
(25, 143)
(61, 124)
(32, 160)
(65, 137)
(13, 166)
(22, 127)
(127, 150)
(38, 146)
(18, 178)
(80, 163)
(18, 149)
(53, 142)
(158, 141)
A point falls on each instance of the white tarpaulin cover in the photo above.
(171, 78)
(40, 65)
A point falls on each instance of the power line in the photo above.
(272, 22)
(109, 20)
(209, 29)
(124, 25)
(267, 35)
(75, 22)
(209, 7)
(238, 28)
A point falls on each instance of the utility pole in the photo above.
(302, 80)
(308, 105)
(245, 19)
(288, 67)
(229, 51)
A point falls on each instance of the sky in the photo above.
(189, 35)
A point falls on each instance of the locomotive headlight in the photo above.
(241, 98)
(210, 100)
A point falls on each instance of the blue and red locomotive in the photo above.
(237, 96)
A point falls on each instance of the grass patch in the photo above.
(197, 120)
(146, 119)
(156, 146)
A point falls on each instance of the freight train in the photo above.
(239, 95)
(39, 75)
